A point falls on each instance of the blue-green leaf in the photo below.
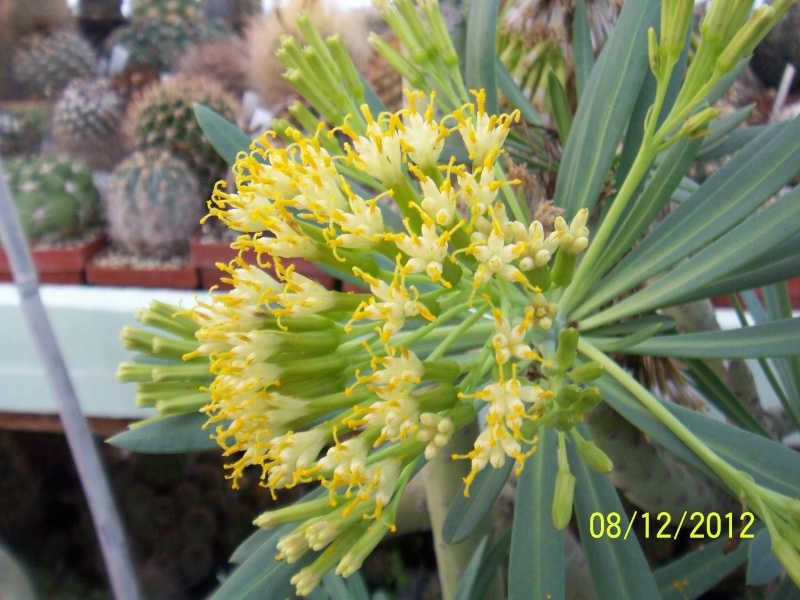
(537, 565)
(466, 513)
(514, 95)
(605, 108)
(618, 566)
(762, 565)
(481, 51)
(167, 435)
(700, 570)
(582, 47)
(559, 105)
(471, 572)
(228, 140)
(491, 564)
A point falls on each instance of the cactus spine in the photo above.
(152, 204)
(163, 117)
(44, 63)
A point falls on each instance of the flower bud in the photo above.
(594, 457)
(564, 268)
(695, 126)
(567, 349)
(562, 499)
(746, 39)
(589, 398)
(586, 372)
(653, 53)
(568, 395)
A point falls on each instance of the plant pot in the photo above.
(794, 295)
(129, 271)
(205, 255)
(59, 265)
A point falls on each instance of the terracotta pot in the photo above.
(206, 255)
(182, 278)
(794, 295)
(59, 265)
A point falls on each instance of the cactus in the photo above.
(221, 59)
(86, 122)
(163, 117)
(54, 195)
(158, 43)
(153, 204)
(168, 10)
(23, 126)
(44, 63)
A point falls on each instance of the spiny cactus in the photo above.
(221, 59)
(169, 10)
(44, 63)
(156, 42)
(163, 117)
(86, 122)
(54, 195)
(152, 204)
(22, 128)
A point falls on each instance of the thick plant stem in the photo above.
(442, 480)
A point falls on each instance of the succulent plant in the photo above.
(169, 10)
(163, 117)
(22, 128)
(156, 42)
(44, 63)
(54, 195)
(86, 122)
(152, 204)
(221, 59)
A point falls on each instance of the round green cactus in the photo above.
(153, 204)
(156, 42)
(54, 195)
(44, 63)
(163, 117)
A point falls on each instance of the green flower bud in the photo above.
(568, 395)
(540, 277)
(562, 499)
(589, 398)
(567, 349)
(586, 372)
(695, 126)
(653, 52)
(594, 457)
(564, 268)
(746, 39)
(563, 420)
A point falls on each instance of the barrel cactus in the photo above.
(163, 117)
(54, 195)
(169, 10)
(44, 63)
(158, 43)
(152, 204)
(86, 122)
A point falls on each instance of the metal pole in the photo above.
(84, 453)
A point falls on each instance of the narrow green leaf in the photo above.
(466, 513)
(537, 565)
(722, 127)
(658, 190)
(700, 570)
(559, 106)
(636, 325)
(492, 562)
(779, 306)
(755, 237)
(606, 106)
(582, 47)
(167, 435)
(376, 105)
(617, 344)
(471, 572)
(735, 141)
(720, 395)
(612, 560)
(762, 565)
(357, 587)
(228, 140)
(514, 95)
(724, 200)
(482, 51)
(775, 338)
